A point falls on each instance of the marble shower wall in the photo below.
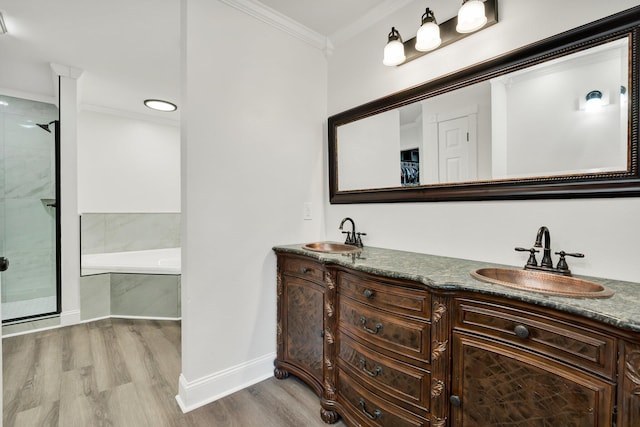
(118, 232)
(27, 184)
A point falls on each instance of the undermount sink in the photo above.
(538, 281)
(331, 248)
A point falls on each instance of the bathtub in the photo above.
(151, 261)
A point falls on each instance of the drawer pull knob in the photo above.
(305, 270)
(455, 401)
(363, 321)
(376, 414)
(521, 331)
(377, 371)
(368, 293)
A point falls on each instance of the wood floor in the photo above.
(124, 373)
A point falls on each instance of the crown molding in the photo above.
(130, 114)
(282, 22)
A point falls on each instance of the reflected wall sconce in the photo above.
(593, 100)
(472, 16)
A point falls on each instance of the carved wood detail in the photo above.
(329, 374)
(279, 283)
(329, 390)
(329, 310)
(438, 422)
(328, 336)
(632, 364)
(328, 416)
(437, 387)
(438, 311)
(280, 373)
(330, 280)
(438, 349)
(327, 363)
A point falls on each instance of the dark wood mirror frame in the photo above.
(625, 24)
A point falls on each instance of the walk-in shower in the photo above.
(29, 208)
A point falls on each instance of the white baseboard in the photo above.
(197, 393)
(70, 317)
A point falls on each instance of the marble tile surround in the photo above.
(139, 295)
(116, 232)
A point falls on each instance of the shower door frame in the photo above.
(58, 246)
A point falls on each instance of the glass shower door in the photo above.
(28, 210)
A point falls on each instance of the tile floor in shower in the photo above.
(31, 307)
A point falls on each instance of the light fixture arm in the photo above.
(428, 16)
(394, 35)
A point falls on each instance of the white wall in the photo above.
(127, 164)
(606, 230)
(254, 102)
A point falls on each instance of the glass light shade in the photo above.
(428, 37)
(594, 100)
(471, 17)
(393, 53)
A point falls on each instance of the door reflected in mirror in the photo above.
(531, 123)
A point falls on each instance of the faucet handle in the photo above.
(359, 239)
(350, 240)
(532, 261)
(562, 263)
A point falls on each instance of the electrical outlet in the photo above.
(307, 211)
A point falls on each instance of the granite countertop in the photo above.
(621, 310)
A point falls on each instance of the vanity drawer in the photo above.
(371, 410)
(399, 382)
(385, 295)
(303, 267)
(564, 340)
(402, 335)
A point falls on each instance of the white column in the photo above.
(66, 80)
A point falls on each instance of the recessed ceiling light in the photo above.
(160, 105)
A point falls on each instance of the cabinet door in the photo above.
(303, 325)
(629, 388)
(496, 385)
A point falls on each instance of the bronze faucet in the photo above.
(353, 238)
(547, 264)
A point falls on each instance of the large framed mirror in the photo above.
(555, 119)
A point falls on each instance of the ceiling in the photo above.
(129, 50)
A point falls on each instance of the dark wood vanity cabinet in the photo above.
(388, 352)
(514, 366)
(384, 352)
(300, 287)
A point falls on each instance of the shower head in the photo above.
(45, 126)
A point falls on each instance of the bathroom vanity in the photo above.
(392, 338)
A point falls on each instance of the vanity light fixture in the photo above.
(428, 35)
(594, 100)
(394, 50)
(3, 26)
(473, 15)
(160, 105)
